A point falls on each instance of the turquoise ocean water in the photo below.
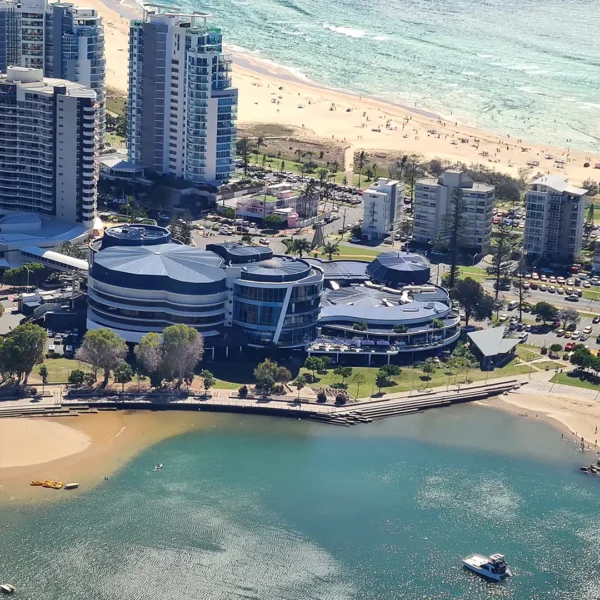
(265, 509)
(530, 68)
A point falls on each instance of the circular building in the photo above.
(397, 269)
(276, 301)
(236, 253)
(141, 288)
(134, 235)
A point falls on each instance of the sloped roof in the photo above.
(174, 261)
(491, 342)
(560, 184)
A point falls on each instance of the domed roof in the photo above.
(399, 267)
(165, 265)
(278, 268)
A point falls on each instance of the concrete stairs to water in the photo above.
(45, 410)
(368, 412)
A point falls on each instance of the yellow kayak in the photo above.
(37, 482)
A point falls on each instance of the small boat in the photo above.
(7, 588)
(158, 466)
(584, 469)
(492, 567)
(37, 482)
(55, 485)
(71, 486)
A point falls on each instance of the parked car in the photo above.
(355, 240)
(569, 346)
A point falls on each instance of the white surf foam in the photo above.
(353, 33)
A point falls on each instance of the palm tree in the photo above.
(310, 188)
(362, 161)
(259, 142)
(244, 148)
(374, 168)
(301, 246)
(330, 249)
(289, 244)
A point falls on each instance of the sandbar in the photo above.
(25, 442)
(85, 449)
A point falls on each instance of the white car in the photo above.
(263, 241)
(587, 329)
(503, 318)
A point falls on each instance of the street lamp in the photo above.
(28, 271)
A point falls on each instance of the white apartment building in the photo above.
(182, 106)
(64, 40)
(382, 208)
(555, 214)
(47, 146)
(433, 209)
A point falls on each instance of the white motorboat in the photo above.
(71, 486)
(492, 567)
(7, 588)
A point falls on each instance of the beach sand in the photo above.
(82, 449)
(398, 129)
(578, 416)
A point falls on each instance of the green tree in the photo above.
(243, 391)
(76, 377)
(381, 380)
(330, 249)
(103, 349)
(391, 370)
(27, 274)
(228, 212)
(437, 323)
(43, 371)
(582, 358)
(473, 300)
(24, 348)
(361, 326)
(361, 161)
(569, 315)
(257, 146)
(301, 247)
(555, 348)
(244, 149)
(343, 372)
(400, 328)
(273, 221)
(268, 372)
(300, 384)
(313, 364)
(454, 233)
(247, 238)
(504, 243)
(358, 379)
(69, 249)
(546, 311)
(148, 354)
(183, 348)
(208, 379)
(123, 373)
(428, 369)
(181, 231)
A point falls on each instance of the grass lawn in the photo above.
(574, 381)
(547, 363)
(591, 294)
(59, 369)
(411, 378)
(231, 375)
(353, 251)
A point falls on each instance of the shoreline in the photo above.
(574, 418)
(114, 439)
(272, 94)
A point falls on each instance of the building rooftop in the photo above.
(232, 252)
(183, 264)
(278, 268)
(340, 269)
(34, 81)
(397, 262)
(560, 184)
(491, 342)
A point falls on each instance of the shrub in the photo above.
(341, 398)
(243, 391)
(277, 389)
(321, 397)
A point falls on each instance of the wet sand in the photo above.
(87, 448)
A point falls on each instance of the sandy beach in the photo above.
(271, 94)
(83, 449)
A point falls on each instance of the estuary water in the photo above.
(258, 508)
(529, 68)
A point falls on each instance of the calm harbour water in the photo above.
(258, 508)
(529, 68)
